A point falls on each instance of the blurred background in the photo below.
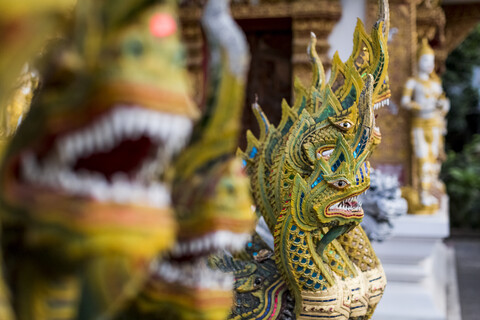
(278, 33)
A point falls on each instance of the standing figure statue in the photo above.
(424, 97)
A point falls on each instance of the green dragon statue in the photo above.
(86, 203)
(210, 190)
(104, 215)
(306, 174)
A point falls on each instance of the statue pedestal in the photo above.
(420, 269)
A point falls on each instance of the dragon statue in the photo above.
(86, 200)
(105, 213)
(110, 210)
(211, 192)
(314, 260)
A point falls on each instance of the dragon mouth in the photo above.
(197, 275)
(349, 207)
(381, 104)
(186, 264)
(114, 158)
(209, 243)
(346, 208)
(325, 152)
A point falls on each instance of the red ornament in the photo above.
(162, 25)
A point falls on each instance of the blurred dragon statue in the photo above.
(211, 192)
(98, 198)
(83, 210)
(309, 257)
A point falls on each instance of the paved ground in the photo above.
(467, 252)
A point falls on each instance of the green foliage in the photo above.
(461, 173)
(461, 170)
(464, 98)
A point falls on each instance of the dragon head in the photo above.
(84, 178)
(307, 172)
(112, 112)
(324, 141)
(210, 188)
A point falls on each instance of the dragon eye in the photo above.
(346, 125)
(133, 47)
(340, 183)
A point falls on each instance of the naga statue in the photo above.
(424, 97)
(110, 205)
(86, 193)
(309, 257)
(210, 192)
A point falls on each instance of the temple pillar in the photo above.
(394, 122)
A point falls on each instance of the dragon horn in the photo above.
(318, 80)
(227, 72)
(366, 116)
(219, 128)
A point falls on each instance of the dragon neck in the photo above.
(296, 252)
(265, 181)
(359, 249)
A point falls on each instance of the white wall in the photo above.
(341, 38)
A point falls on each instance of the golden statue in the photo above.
(424, 97)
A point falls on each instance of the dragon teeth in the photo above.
(89, 184)
(344, 204)
(215, 241)
(381, 104)
(194, 275)
(122, 122)
(125, 122)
